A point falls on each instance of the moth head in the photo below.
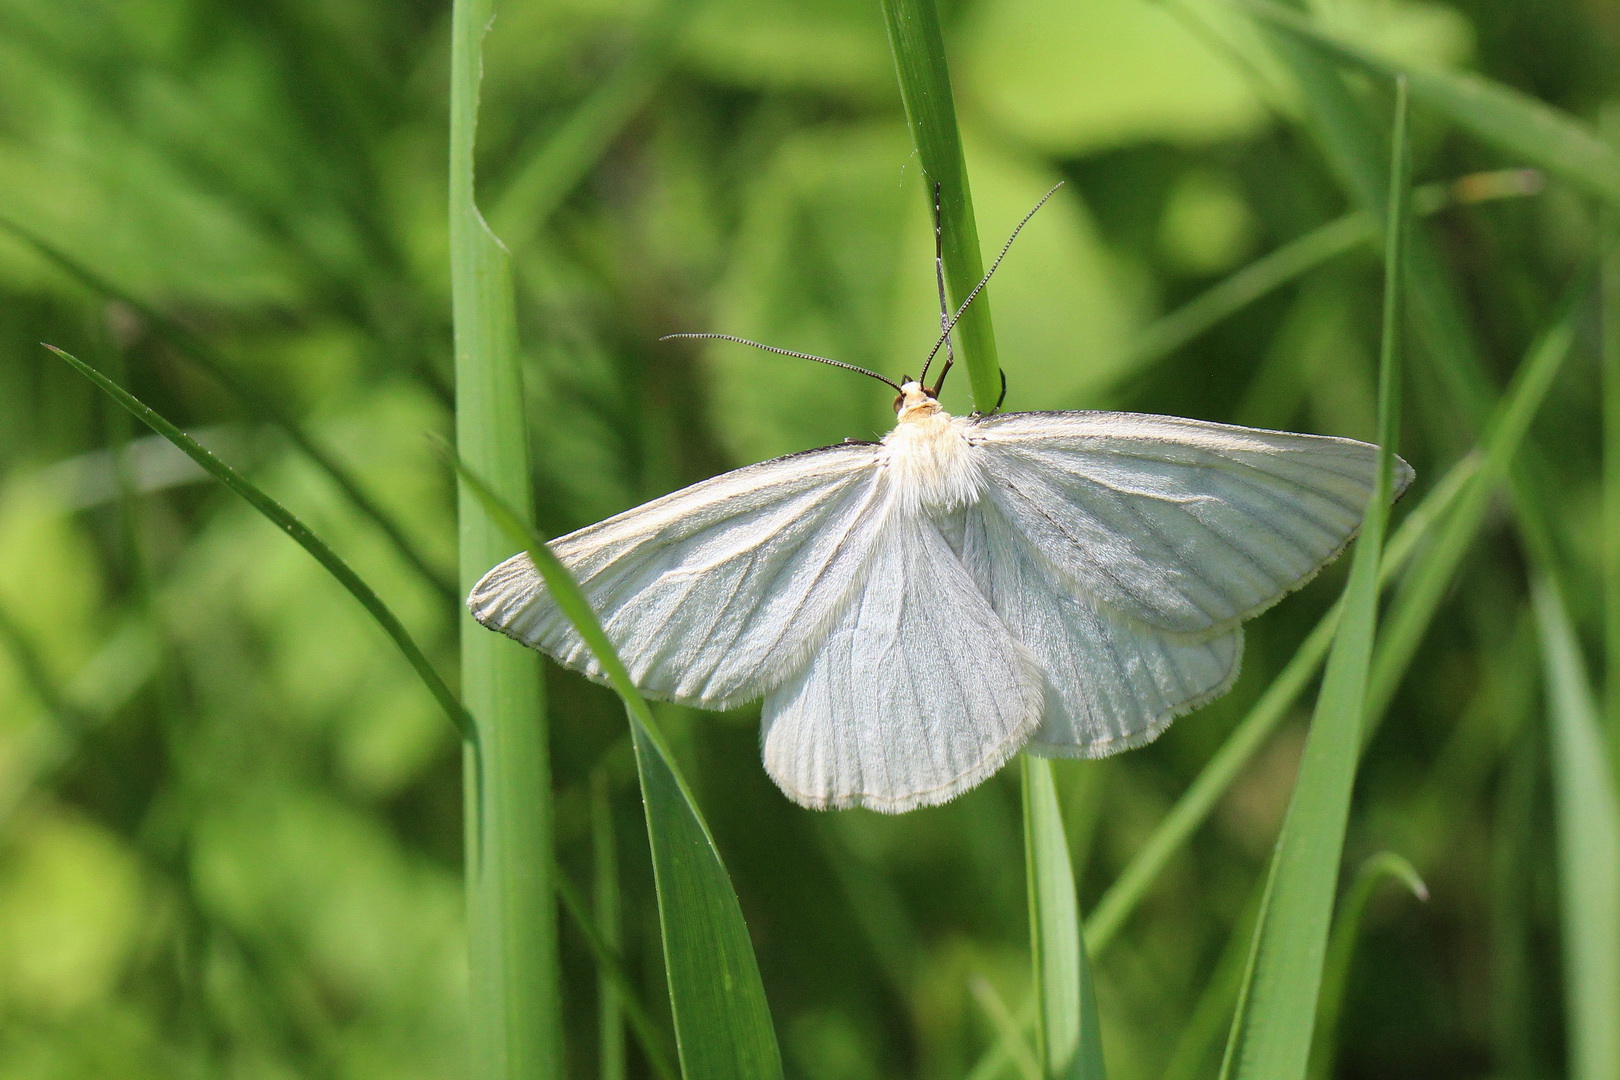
(914, 401)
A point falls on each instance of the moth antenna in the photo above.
(787, 352)
(984, 280)
(944, 305)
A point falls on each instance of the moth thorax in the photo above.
(915, 403)
(932, 465)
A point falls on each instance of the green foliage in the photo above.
(231, 821)
(282, 519)
(1067, 1029)
(1352, 909)
(1588, 816)
(1278, 1003)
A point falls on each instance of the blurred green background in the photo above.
(230, 817)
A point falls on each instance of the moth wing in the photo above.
(917, 694)
(1185, 525)
(1112, 683)
(714, 593)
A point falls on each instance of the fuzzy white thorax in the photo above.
(932, 464)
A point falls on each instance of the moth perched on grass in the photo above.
(917, 610)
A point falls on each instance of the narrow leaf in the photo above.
(256, 400)
(516, 1021)
(283, 519)
(925, 88)
(1515, 123)
(1385, 866)
(1067, 1035)
(1271, 1032)
(1588, 816)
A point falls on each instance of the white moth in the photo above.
(914, 612)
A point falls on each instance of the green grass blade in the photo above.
(1588, 815)
(1271, 1032)
(1009, 1033)
(1286, 688)
(258, 403)
(1265, 275)
(1513, 122)
(1609, 345)
(1068, 1041)
(1385, 866)
(614, 980)
(611, 997)
(722, 1022)
(1066, 1023)
(511, 907)
(283, 519)
(1160, 339)
(1447, 522)
(1426, 586)
(925, 87)
(563, 157)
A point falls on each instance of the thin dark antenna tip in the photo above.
(977, 289)
(788, 352)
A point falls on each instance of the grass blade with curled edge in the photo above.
(515, 1028)
(1068, 1041)
(722, 1022)
(1271, 1031)
(283, 519)
(1382, 867)
(1588, 815)
(1505, 118)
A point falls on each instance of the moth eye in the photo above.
(898, 398)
